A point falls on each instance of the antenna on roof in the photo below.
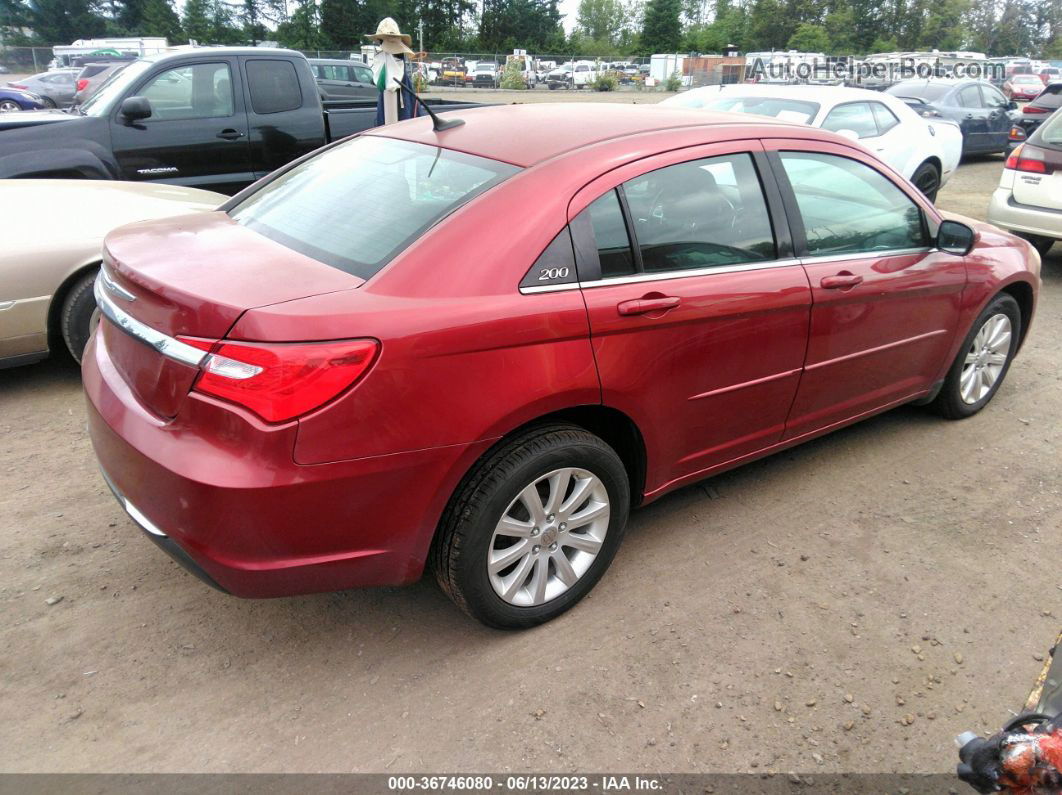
(437, 124)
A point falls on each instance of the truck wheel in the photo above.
(80, 315)
(533, 527)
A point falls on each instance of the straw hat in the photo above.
(390, 38)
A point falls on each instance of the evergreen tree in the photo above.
(196, 21)
(161, 20)
(662, 29)
(809, 37)
(63, 21)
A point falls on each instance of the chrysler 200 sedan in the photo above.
(293, 395)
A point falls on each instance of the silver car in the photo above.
(56, 88)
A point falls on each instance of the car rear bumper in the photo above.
(234, 508)
(1008, 214)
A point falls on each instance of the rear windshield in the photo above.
(930, 92)
(784, 109)
(358, 205)
(1051, 131)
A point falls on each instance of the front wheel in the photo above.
(533, 527)
(983, 360)
(9, 106)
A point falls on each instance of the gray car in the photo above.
(339, 80)
(56, 88)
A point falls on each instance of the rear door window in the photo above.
(970, 97)
(359, 204)
(885, 118)
(610, 233)
(274, 86)
(700, 214)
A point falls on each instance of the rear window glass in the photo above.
(931, 92)
(274, 86)
(358, 205)
(791, 110)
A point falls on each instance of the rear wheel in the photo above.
(927, 179)
(533, 527)
(80, 315)
(983, 360)
(48, 103)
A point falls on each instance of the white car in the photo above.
(1028, 200)
(926, 151)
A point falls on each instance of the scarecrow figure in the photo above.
(394, 103)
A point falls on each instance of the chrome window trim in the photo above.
(663, 276)
(168, 346)
(851, 255)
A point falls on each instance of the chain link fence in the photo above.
(24, 60)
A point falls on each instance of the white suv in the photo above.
(1028, 200)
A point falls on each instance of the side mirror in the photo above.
(135, 108)
(955, 238)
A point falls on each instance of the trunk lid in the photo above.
(192, 275)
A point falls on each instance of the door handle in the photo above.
(842, 281)
(648, 304)
(230, 135)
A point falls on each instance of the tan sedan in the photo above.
(51, 254)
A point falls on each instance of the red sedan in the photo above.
(1023, 87)
(477, 348)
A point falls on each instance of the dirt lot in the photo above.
(850, 605)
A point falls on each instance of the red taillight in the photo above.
(280, 381)
(1017, 133)
(1028, 158)
(19, 86)
(1035, 109)
(82, 83)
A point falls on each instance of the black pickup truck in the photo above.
(213, 118)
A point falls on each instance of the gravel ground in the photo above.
(849, 605)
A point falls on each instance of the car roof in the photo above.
(335, 61)
(528, 134)
(264, 52)
(831, 95)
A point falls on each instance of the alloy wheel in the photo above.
(548, 537)
(9, 106)
(985, 359)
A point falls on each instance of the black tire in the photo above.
(1040, 243)
(76, 320)
(949, 403)
(48, 102)
(927, 179)
(461, 547)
